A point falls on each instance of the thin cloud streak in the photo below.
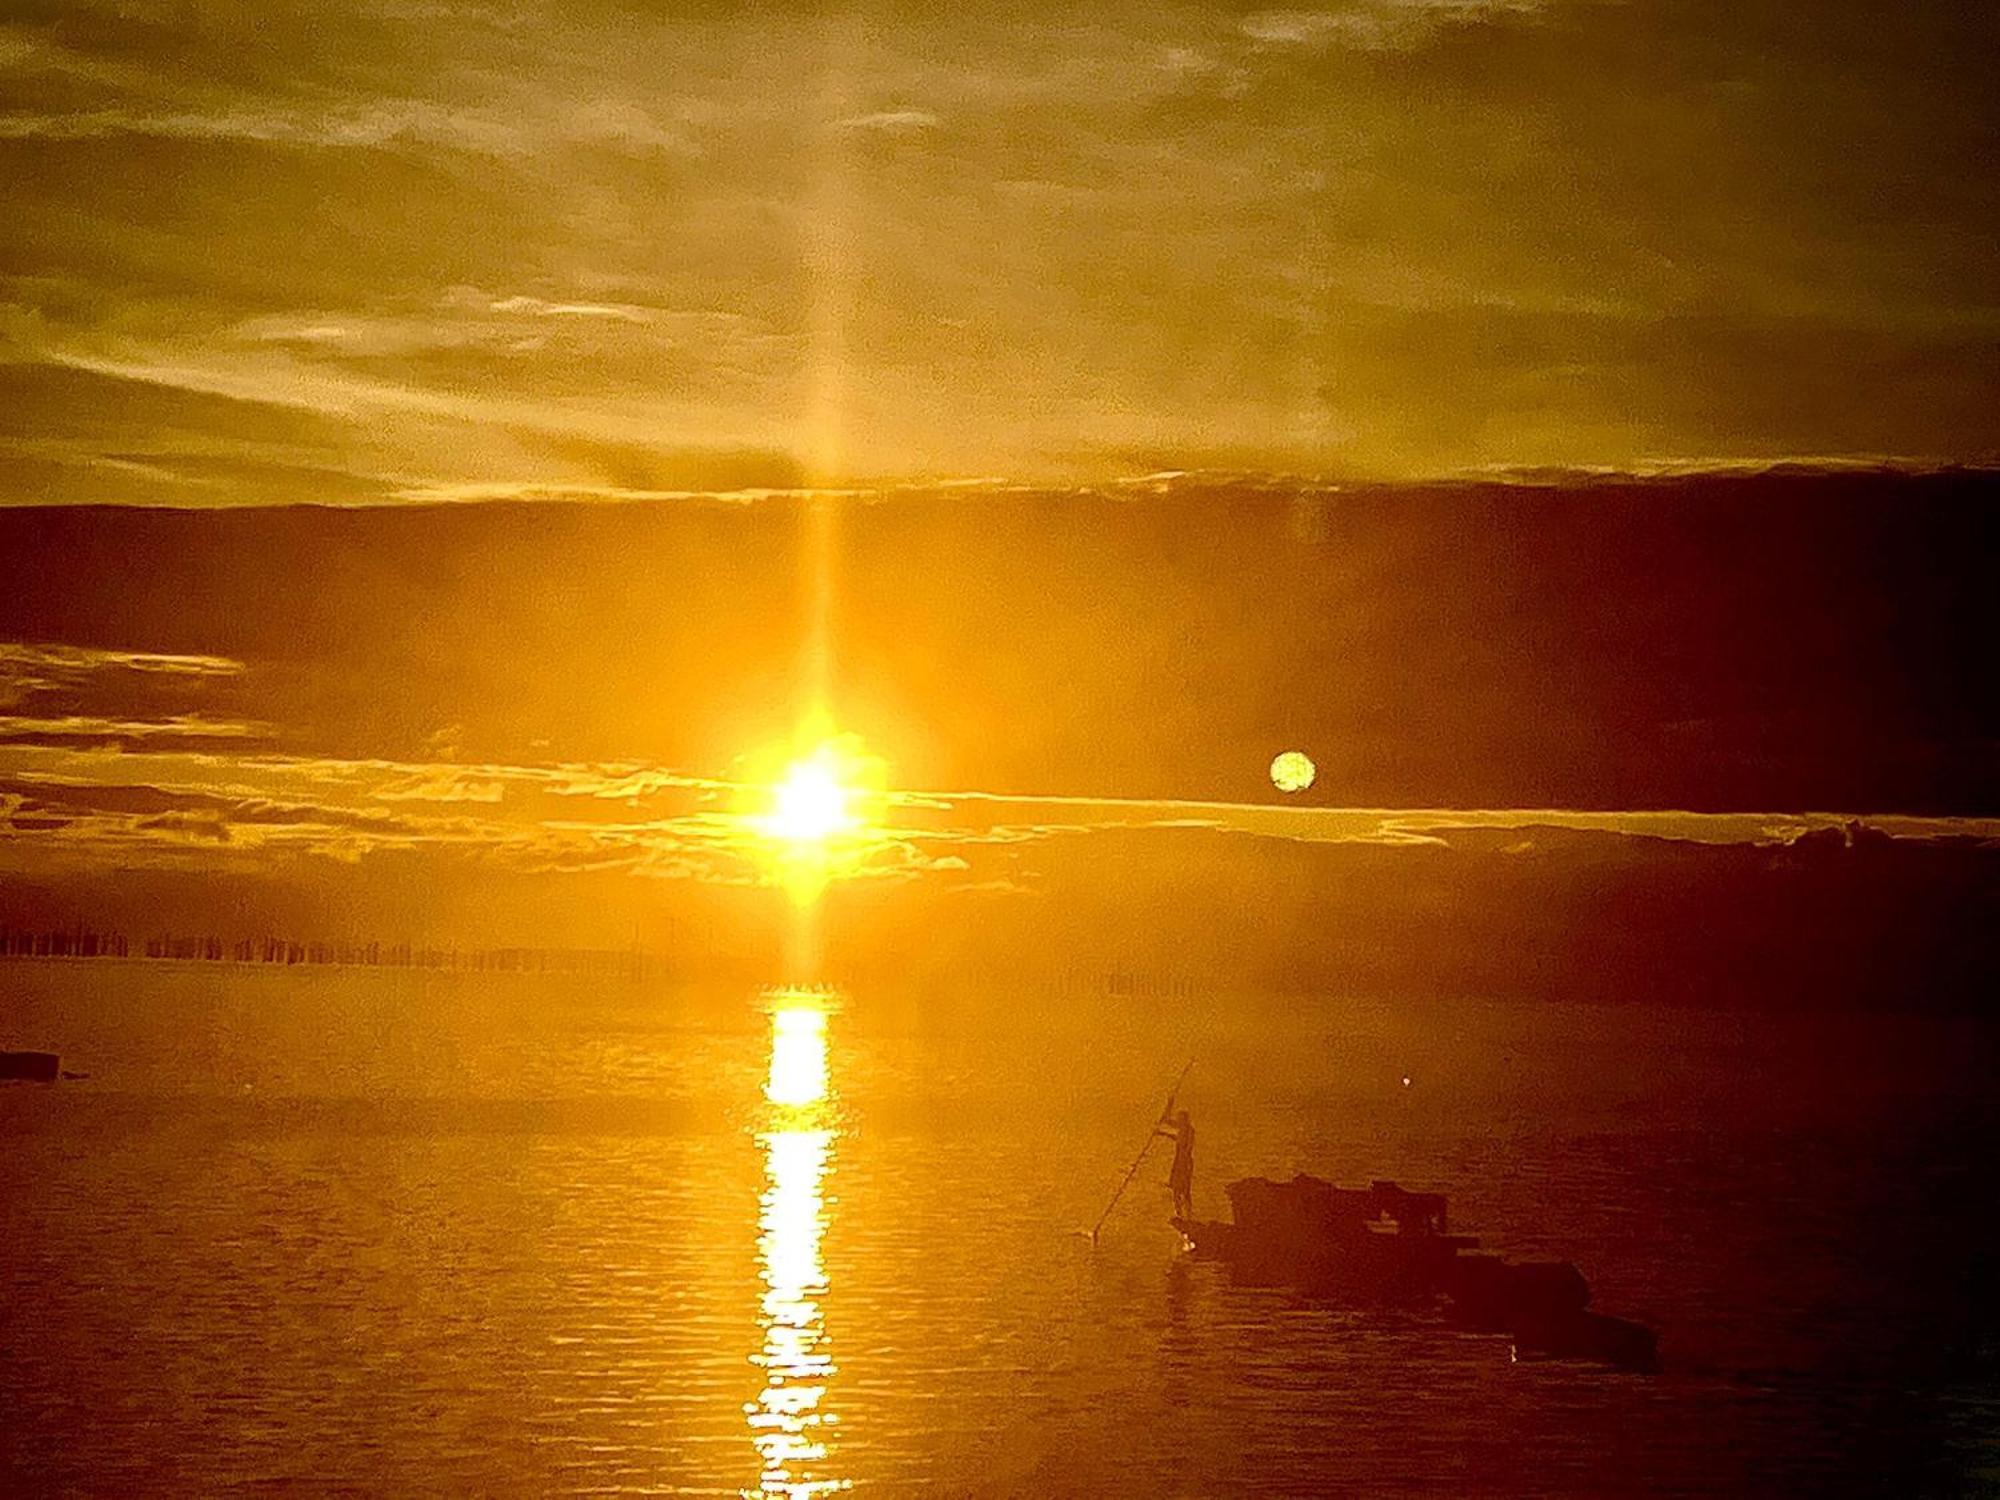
(89, 728)
(1407, 825)
(1379, 25)
(27, 659)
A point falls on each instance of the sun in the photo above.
(817, 814)
(811, 804)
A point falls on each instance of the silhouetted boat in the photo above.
(1383, 1243)
(30, 1067)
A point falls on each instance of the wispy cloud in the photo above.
(58, 694)
(85, 659)
(607, 494)
(366, 125)
(1380, 25)
(28, 667)
(442, 784)
(92, 729)
(891, 122)
(537, 307)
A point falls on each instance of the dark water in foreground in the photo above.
(388, 1233)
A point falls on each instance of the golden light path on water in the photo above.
(791, 1420)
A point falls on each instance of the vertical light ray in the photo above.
(830, 277)
(829, 254)
(830, 280)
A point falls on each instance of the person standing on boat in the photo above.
(1180, 1177)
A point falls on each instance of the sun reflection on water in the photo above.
(798, 1054)
(791, 1420)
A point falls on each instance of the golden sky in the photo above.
(413, 248)
(960, 371)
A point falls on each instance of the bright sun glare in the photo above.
(819, 813)
(811, 805)
(798, 1056)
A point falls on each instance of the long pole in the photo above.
(1133, 1170)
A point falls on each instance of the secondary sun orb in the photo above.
(1293, 771)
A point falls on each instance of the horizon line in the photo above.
(1156, 482)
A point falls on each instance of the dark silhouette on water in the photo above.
(30, 1067)
(1180, 1176)
(1151, 1136)
(1384, 1244)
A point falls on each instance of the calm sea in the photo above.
(389, 1233)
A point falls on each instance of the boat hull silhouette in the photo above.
(1384, 1244)
(30, 1067)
